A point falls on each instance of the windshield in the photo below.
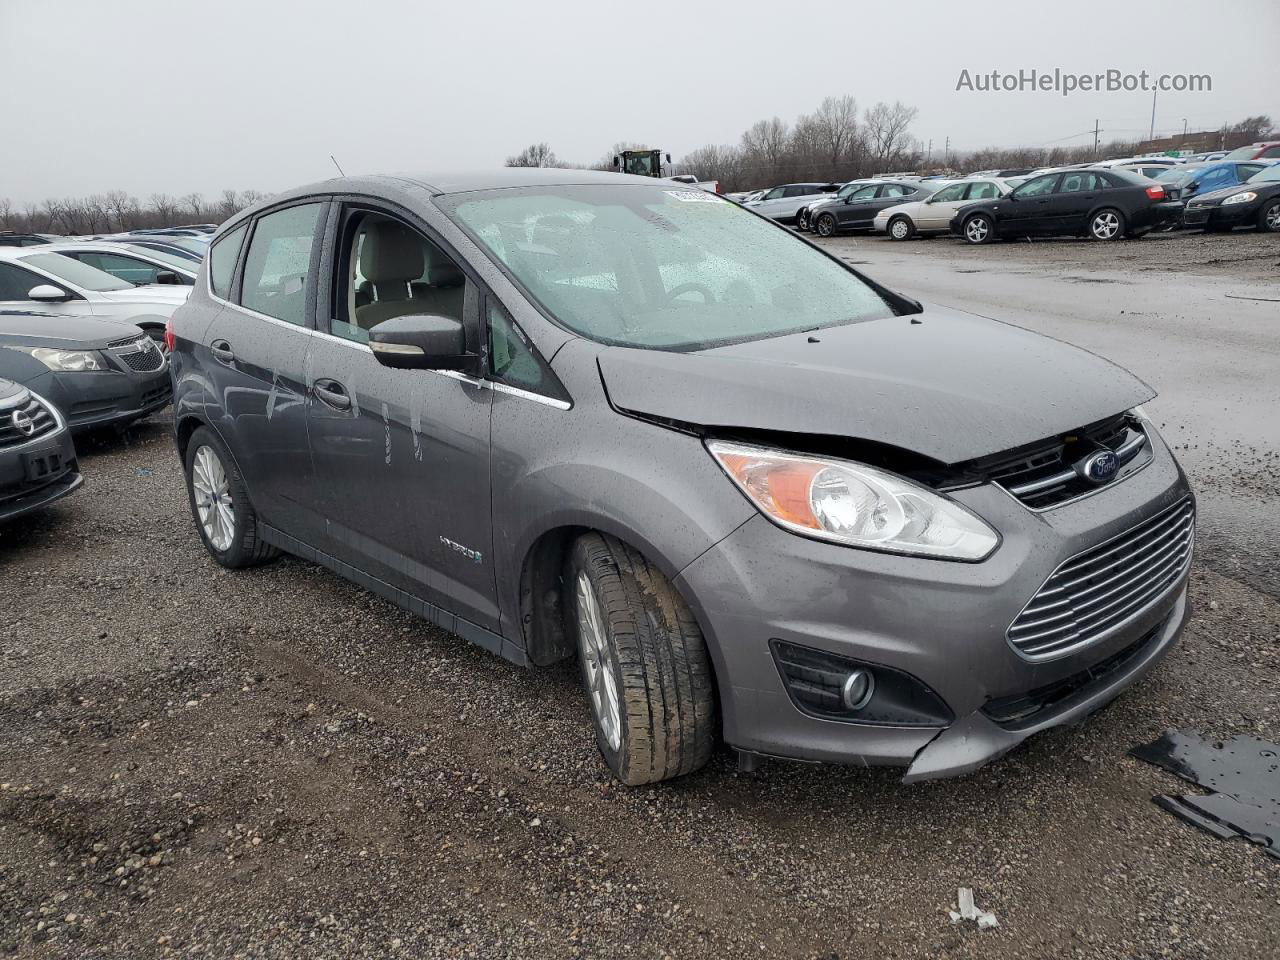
(171, 259)
(1180, 174)
(76, 273)
(660, 268)
(1270, 173)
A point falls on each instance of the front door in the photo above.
(1026, 210)
(256, 350)
(401, 456)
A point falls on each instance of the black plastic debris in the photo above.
(1245, 772)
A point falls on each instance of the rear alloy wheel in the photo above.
(978, 229)
(1269, 217)
(901, 228)
(225, 519)
(1106, 225)
(825, 225)
(644, 663)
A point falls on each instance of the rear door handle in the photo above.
(332, 393)
(221, 350)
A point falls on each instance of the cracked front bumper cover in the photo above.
(976, 739)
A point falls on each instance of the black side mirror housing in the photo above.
(421, 342)
(167, 277)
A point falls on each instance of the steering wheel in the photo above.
(707, 295)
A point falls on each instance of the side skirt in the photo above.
(406, 601)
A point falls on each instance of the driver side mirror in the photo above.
(421, 342)
(167, 277)
(48, 293)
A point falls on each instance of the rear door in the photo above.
(255, 354)
(1079, 192)
(401, 456)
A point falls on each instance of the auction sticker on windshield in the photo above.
(694, 196)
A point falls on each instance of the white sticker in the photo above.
(694, 196)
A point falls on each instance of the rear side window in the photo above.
(982, 191)
(1269, 153)
(222, 261)
(278, 261)
(894, 190)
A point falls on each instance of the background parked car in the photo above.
(31, 278)
(193, 247)
(933, 214)
(1152, 171)
(782, 203)
(1190, 180)
(1101, 204)
(804, 216)
(96, 372)
(1262, 150)
(141, 266)
(1253, 203)
(858, 211)
(37, 456)
(10, 239)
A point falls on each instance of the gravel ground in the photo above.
(274, 763)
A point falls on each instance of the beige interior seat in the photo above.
(404, 274)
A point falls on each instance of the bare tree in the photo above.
(163, 206)
(534, 155)
(888, 129)
(764, 146)
(195, 203)
(836, 125)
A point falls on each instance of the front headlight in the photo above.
(67, 361)
(853, 504)
(1240, 197)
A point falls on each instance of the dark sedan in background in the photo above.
(1254, 203)
(96, 372)
(1100, 204)
(37, 457)
(858, 210)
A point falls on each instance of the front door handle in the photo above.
(332, 393)
(221, 350)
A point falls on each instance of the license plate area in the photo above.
(42, 466)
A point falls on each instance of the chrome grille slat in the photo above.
(1087, 598)
(1100, 589)
(42, 419)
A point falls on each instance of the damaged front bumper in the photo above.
(941, 625)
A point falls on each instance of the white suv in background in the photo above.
(784, 202)
(32, 278)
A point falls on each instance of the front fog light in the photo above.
(857, 689)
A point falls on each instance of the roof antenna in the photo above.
(335, 163)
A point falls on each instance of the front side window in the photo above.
(774, 194)
(75, 273)
(866, 193)
(222, 260)
(278, 262)
(982, 191)
(953, 192)
(1037, 187)
(15, 282)
(389, 269)
(513, 360)
(1266, 174)
(660, 268)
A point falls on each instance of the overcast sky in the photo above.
(170, 96)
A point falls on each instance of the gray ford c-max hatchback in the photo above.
(758, 495)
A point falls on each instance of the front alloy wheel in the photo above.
(1269, 217)
(977, 229)
(825, 225)
(598, 667)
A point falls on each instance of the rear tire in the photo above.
(644, 663)
(1106, 225)
(901, 228)
(979, 228)
(1269, 217)
(224, 517)
(825, 225)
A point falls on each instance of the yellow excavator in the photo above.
(648, 163)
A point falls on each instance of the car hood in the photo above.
(74, 333)
(1217, 196)
(10, 389)
(949, 385)
(173, 295)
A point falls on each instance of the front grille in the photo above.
(139, 354)
(1096, 592)
(1044, 475)
(13, 420)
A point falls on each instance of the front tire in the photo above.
(802, 219)
(1106, 225)
(1269, 217)
(644, 663)
(901, 228)
(224, 517)
(979, 229)
(825, 225)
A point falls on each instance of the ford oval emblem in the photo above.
(1100, 467)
